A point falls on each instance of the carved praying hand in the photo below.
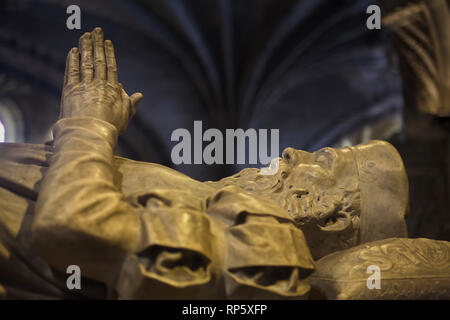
(91, 88)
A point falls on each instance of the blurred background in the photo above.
(310, 68)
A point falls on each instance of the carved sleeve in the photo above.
(81, 217)
(267, 256)
(145, 246)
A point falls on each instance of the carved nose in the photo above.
(289, 155)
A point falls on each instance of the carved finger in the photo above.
(87, 67)
(99, 55)
(72, 75)
(135, 99)
(111, 62)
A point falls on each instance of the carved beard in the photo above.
(329, 218)
(330, 210)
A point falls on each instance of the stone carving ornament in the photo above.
(422, 31)
(410, 268)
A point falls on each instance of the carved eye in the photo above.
(325, 158)
(300, 193)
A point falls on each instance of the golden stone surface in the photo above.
(147, 231)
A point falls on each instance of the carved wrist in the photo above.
(91, 131)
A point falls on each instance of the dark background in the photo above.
(310, 68)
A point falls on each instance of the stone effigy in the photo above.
(142, 230)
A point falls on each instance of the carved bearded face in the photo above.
(320, 191)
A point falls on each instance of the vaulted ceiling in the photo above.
(309, 68)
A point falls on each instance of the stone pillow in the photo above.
(408, 269)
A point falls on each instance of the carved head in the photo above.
(321, 192)
(340, 198)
